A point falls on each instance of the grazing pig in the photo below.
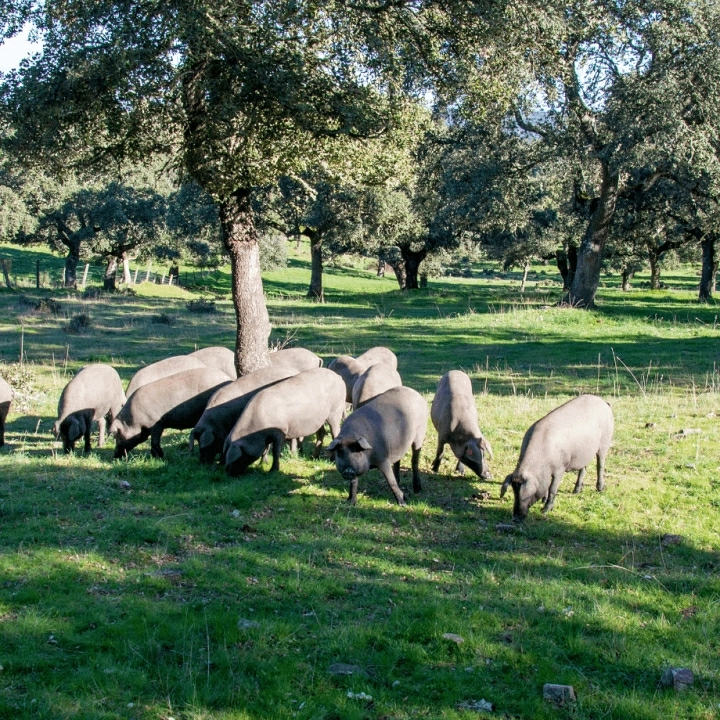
(565, 439)
(455, 418)
(176, 401)
(6, 395)
(376, 355)
(220, 358)
(162, 369)
(374, 381)
(93, 394)
(227, 404)
(349, 369)
(293, 408)
(299, 359)
(378, 434)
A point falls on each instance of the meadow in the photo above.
(156, 589)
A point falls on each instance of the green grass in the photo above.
(127, 603)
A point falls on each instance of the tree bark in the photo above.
(71, 262)
(567, 265)
(587, 277)
(382, 265)
(654, 260)
(526, 268)
(709, 268)
(412, 260)
(315, 290)
(127, 278)
(241, 242)
(110, 272)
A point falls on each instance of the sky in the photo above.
(12, 51)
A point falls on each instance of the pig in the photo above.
(376, 355)
(298, 358)
(220, 358)
(454, 415)
(566, 439)
(349, 369)
(226, 406)
(293, 408)
(162, 369)
(377, 435)
(176, 401)
(375, 380)
(6, 396)
(93, 394)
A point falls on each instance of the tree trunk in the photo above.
(398, 267)
(627, 274)
(382, 265)
(654, 260)
(587, 277)
(412, 260)
(567, 265)
(709, 268)
(526, 268)
(71, 262)
(110, 272)
(315, 290)
(127, 277)
(241, 242)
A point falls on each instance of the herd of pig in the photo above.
(242, 418)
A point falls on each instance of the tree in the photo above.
(238, 93)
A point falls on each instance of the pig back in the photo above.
(95, 387)
(374, 381)
(299, 359)
(6, 393)
(454, 405)
(162, 369)
(297, 406)
(376, 355)
(218, 357)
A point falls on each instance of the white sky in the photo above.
(13, 50)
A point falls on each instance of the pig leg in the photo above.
(579, 483)
(387, 470)
(101, 426)
(319, 437)
(293, 446)
(396, 470)
(277, 443)
(417, 486)
(88, 433)
(460, 468)
(601, 470)
(155, 434)
(552, 492)
(438, 456)
(334, 422)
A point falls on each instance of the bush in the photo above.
(163, 319)
(42, 306)
(201, 306)
(273, 252)
(78, 323)
(93, 293)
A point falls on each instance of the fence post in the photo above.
(37, 274)
(147, 274)
(135, 276)
(87, 266)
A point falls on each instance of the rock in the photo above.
(558, 694)
(244, 624)
(685, 432)
(670, 539)
(650, 425)
(125, 485)
(455, 638)
(396, 683)
(505, 527)
(359, 696)
(476, 705)
(344, 669)
(678, 678)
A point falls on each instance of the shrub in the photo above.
(201, 306)
(93, 293)
(78, 323)
(163, 319)
(273, 252)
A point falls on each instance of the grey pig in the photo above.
(376, 355)
(565, 439)
(375, 380)
(162, 369)
(176, 401)
(349, 369)
(299, 359)
(455, 418)
(220, 358)
(227, 404)
(6, 396)
(378, 434)
(93, 394)
(293, 408)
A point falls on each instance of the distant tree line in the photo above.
(582, 133)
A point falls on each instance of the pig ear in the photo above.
(74, 431)
(506, 485)
(234, 452)
(485, 447)
(333, 445)
(206, 439)
(364, 444)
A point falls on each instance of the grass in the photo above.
(193, 596)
